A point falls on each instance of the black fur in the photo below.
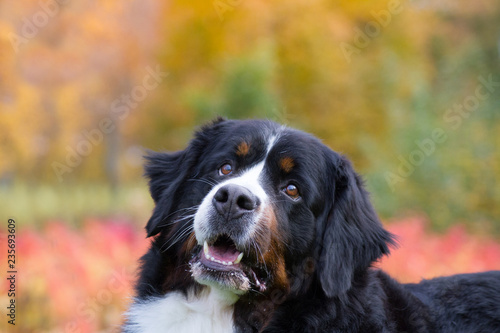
(331, 237)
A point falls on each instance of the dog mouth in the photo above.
(222, 252)
(220, 262)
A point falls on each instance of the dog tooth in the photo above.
(212, 258)
(224, 263)
(237, 261)
(205, 248)
(229, 263)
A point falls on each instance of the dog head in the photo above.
(247, 201)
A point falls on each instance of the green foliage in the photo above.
(32, 204)
(245, 90)
(456, 181)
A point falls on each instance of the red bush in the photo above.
(76, 280)
(423, 254)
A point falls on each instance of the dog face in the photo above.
(248, 200)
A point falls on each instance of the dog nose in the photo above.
(234, 200)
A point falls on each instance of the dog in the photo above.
(258, 227)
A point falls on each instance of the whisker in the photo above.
(179, 234)
(177, 238)
(258, 292)
(180, 219)
(206, 181)
(257, 248)
(278, 201)
(181, 210)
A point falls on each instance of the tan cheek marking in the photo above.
(280, 276)
(189, 244)
(275, 256)
(243, 149)
(287, 164)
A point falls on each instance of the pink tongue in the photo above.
(223, 252)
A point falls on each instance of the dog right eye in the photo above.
(292, 191)
(225, 170)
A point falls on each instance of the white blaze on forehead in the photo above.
(250, 179)
(272, 141)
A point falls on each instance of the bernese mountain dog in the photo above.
(258, 227)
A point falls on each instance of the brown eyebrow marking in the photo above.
(287, 164)
(243, 149)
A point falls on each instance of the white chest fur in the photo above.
(210, 311)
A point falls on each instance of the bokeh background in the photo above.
(408, 90)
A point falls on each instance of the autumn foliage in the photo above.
(80, 280)
(75, 280)
(424, 254)
(373, 79)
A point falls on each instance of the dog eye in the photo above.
(292, 191)
(226, 169)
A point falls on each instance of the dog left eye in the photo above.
(226, 169)
(292, 191)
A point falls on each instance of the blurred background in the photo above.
(408, 90)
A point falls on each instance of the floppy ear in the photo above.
(353, 236)
(166, 173)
